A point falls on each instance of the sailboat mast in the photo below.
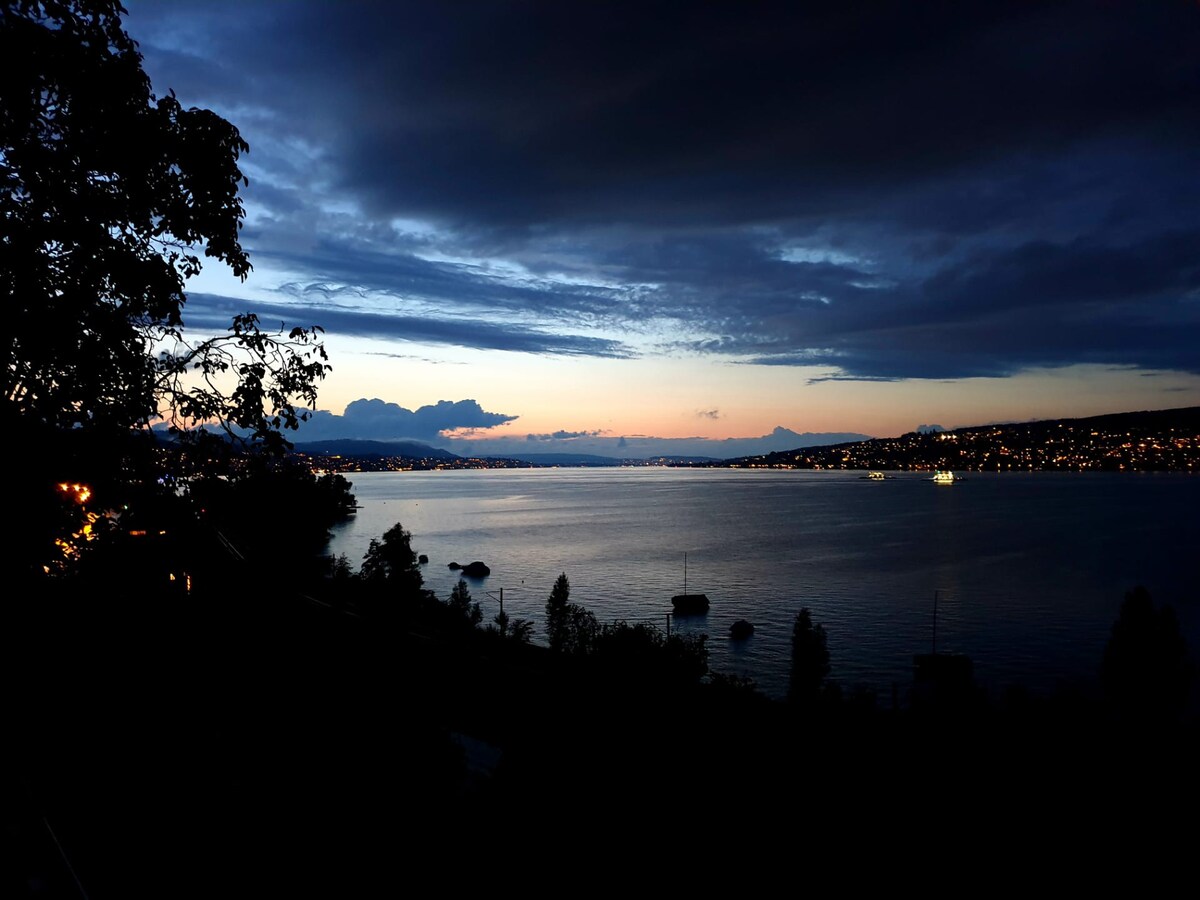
(935, 611)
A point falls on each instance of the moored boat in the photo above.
(690, 604)
(943, 476)
(740, 630)
(686, 604)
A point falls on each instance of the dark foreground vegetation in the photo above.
(273, 730)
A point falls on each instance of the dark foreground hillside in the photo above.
(260, 744)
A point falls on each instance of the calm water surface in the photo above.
(1028, 571)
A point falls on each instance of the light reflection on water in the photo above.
(1030, 568)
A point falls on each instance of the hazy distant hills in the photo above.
(1155, 440)
(607, 448)
(592, 459)
(373, 449)
(376, 453)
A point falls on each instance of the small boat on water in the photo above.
(690, 604)
(875, 476)
(943, 476)
(686, 604)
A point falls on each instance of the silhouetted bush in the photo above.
(810, 659)
(1146, 674)
(645, 653)
(463, 610)
(390, 560)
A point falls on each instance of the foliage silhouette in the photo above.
(556, 612)
(390, 561)
(570, 628)
(1146, 673)
(108, 193)
(644, 653)
(339, 569)
(310, 506)
(810, 659)
(462, 608)
(519, 630)
(580, 630)
(110, 198)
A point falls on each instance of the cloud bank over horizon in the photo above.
(378, 420)
(462, 427)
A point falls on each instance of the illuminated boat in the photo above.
(942, 476)
(875, 476)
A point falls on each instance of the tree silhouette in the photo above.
(570, 627)
(339, 569)
(557, 613)
(1145, 672)
(580, 630)
(108, 193)
(520, 630)
(810, 659)
(463, 609)
(390, 561)
(110, 199)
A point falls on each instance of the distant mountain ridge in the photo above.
(363, 449)
(591, 449)
(1154, 440)
(593, 459)
(375, 452)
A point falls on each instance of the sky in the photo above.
(689, 227)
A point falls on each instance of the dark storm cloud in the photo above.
(523, 113)
(882, 190)
(209, 312)
(457, 284)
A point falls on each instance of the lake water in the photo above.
(1028, 571)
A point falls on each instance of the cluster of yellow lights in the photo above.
(69, 547)
(81, 493)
